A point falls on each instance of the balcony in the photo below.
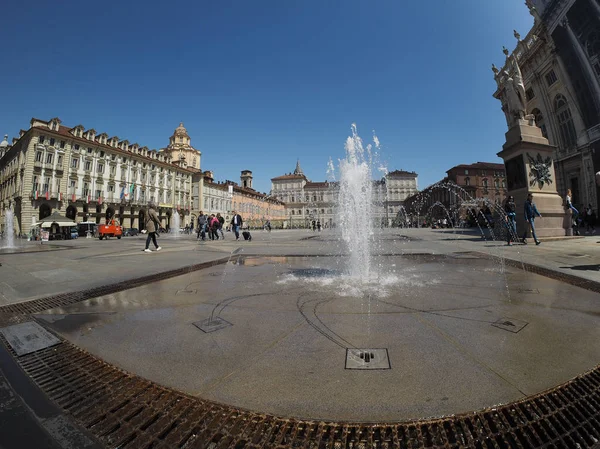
(48, 166)
(594, 133)
(59, 168)
(37, 165)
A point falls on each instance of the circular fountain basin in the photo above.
(297, 337)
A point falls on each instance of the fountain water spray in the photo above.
(9, 220)
(355, 205)
(176, 223)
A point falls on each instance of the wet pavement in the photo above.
(461, 332)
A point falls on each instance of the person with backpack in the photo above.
(221, 224)
(152, 223)
(213, 226)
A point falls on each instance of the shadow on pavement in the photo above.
(595, 267)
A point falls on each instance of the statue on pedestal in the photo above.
(514, 93)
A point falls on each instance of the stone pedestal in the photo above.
(530, 169)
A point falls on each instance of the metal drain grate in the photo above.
(212, 324)
(534, 291)
(367, 359)
(510, 325)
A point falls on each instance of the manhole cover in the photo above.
(367, 359)
(510, 324)
(28, 337)
(528, 290)
(212, 324)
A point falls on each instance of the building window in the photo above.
(466, 172)
(539, 121)
(530, 94)
(76, 147)
(38, 156)
(551, 78)
(293, 212)
(62, 143)
(89, 150)
(88, 165)
(100, 168)
(46, 185)
(73, 183)
(483, 173)
(497, 183)
(49, 158)
(52, 141)
(181, 140)
(467, 181)
(568, 136)
(111, 188)
(98, 193)
(74, 163)
(42, 138)
(86, 189)
(59, 161)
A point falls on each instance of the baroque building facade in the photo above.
(560, 64)
(224, 197)
(180, 149)
(88, 176)
(307, 201)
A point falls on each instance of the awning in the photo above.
(56, 219)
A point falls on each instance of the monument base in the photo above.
(530, 170)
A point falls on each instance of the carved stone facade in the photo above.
(181, 151)
(560, 62)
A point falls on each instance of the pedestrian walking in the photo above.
(530, 213)
(236, 224)
(152, 223)
(202, 226)
(221, 224)
(319, 225)
(213, 227)
(590, 219)
(511, 219)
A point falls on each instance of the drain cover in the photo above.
(510, 324)
(528, 290)
(28, 337)
(186, 292)
(210, 325)
(367, 359)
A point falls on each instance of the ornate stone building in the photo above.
(559, 61)
(87, 175)
(181, 151)
(306, 201)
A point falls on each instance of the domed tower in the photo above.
(246, 178)
(4, 146)
(181, 151)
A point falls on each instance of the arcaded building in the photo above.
(88, 176)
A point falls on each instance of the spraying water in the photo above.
(9, 220)
(174, 231)
(355, 205)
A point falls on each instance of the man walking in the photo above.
(152, 223)
(236, 224)
(511, 219)
(221, 223)
(530, 213)
(201, 226)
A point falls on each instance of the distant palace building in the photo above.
(306, 201)
(560, 64)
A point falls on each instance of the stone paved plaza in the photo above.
(454, 323)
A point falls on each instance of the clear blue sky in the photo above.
(259, 84)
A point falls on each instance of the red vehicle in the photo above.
(110, 229)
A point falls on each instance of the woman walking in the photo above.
(511, 219)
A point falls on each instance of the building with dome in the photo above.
(181, 151)
(90, 176)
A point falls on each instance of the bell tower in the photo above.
(246, 179)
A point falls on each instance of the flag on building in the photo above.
(73, 198)
(122, 193)
(100, 200)
(47, 195)
(36, 195)
(60, 196)
(87, 199)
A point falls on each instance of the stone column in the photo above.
(596, 7)
(588, 70)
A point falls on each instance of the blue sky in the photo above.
(260, 84)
